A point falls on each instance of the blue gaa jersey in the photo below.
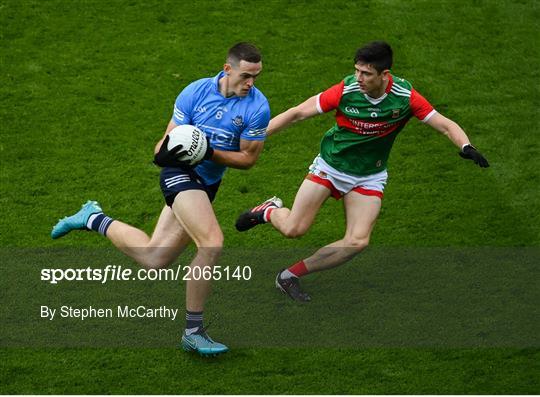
(224, 120)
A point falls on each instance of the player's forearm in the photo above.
(456, 134)
(280, 122)
(283, 120)
(450, 129)
(169, 128)
(240, 160)
(305, 110)
(158, 145)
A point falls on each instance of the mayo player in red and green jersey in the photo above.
(371, 107)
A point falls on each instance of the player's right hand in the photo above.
(209, 150)
(469, 152)
(169, 158)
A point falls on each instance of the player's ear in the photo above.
(227, 68)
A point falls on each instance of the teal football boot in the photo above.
(201, 343)
(77, 221)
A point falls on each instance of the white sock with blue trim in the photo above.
(99, 223)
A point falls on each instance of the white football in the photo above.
(193, 142)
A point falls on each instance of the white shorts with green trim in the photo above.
(340, 183)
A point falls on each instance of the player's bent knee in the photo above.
(294, 231)
(158, 264)
(356, 243)
(212, 241)
(157, 258)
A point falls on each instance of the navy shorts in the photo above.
(176, 180)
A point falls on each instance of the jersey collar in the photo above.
(376, 101)
(390, 84)
(215, 82)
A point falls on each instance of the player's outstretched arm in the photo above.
(244, 159)
(301, 112)
(456, 134)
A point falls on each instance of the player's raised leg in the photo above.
(361, 214)
(194, 211)
(295, 222)
(167, 242)
(160, 250)
(292, 222)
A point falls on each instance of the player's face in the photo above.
(242, 76)
(371, 82)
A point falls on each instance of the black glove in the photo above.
(209, 151)
(169, 158)
(469, 152)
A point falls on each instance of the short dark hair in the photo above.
(243, 52)
(377, 53)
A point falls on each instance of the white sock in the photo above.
(90, 220)
(285, 274)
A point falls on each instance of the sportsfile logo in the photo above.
(109, 273)
(120, 273)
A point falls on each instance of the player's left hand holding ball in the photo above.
(469, 152)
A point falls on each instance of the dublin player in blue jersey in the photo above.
(234, 115)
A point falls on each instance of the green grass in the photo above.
(87, 89)
(272, 371)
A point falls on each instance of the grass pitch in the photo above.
(88, 87)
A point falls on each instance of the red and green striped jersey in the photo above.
(360, 141)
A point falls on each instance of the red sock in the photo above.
(299, 269)
(267, 212)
